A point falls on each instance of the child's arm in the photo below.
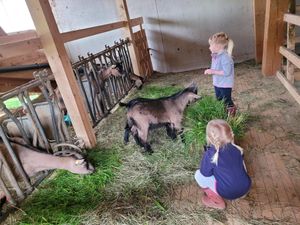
(216, 72)
(227, 66)
(206, 167)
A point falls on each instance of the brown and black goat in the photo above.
(144, 114)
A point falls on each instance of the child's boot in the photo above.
(213, 200)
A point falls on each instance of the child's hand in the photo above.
(208, 71)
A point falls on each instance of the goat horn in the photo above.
(66, 144)
(66, 153)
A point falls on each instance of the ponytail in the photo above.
(230, 47)
(215, 157)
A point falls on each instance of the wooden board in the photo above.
(259, 7)
(36, 57)
(274, 32)
(59, 62)
(18, 36)
(13, 49)
(143, 53)
(293, 91)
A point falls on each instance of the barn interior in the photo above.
(50, 45)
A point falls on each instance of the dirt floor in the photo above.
(271, 146)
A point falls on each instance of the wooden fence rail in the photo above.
(293, 60)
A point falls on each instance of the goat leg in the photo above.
(171, 132)
(127, 133)
(148, 148)
(181, 133)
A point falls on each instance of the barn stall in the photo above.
(160, 188)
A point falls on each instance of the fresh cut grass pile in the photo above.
(130, 187)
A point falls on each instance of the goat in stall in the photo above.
(34, 161)
(143, 114)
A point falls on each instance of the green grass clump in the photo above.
(157, 91)
(208, 108)
(14, 103)
(63, 199)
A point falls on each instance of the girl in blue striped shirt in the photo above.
(222, 69)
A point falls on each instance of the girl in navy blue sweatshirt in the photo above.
(222, 172)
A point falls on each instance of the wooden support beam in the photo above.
(19, 48)
(290, 55)
(293, 91)
(259, 7)
(124, 15)
(274, 32)
(59, 62)
(77, 34)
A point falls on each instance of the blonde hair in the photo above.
(218, 134)
(222, 39)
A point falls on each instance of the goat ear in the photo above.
(195, 96)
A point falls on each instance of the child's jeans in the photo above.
(206, 182)
(224, 93)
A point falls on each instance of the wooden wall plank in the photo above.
(59, 62)
(293, 91)
(274, 32)
(31, 58)
(19, 48)
(22, 75)
(291, 18)
(290, 55)
(259, 7)
(18, 36)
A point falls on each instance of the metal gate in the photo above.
(101, 95)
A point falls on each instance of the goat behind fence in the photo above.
(104, 78)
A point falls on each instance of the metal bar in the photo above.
(15, 159)
(16, 121)
(34, 120)
(6, 191)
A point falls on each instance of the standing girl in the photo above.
(222, 69)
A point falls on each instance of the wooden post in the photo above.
(133, 51)
(259, 8)
(273, 35)
(291, 35)
(58, 59)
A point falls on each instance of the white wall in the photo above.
(177, 30)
